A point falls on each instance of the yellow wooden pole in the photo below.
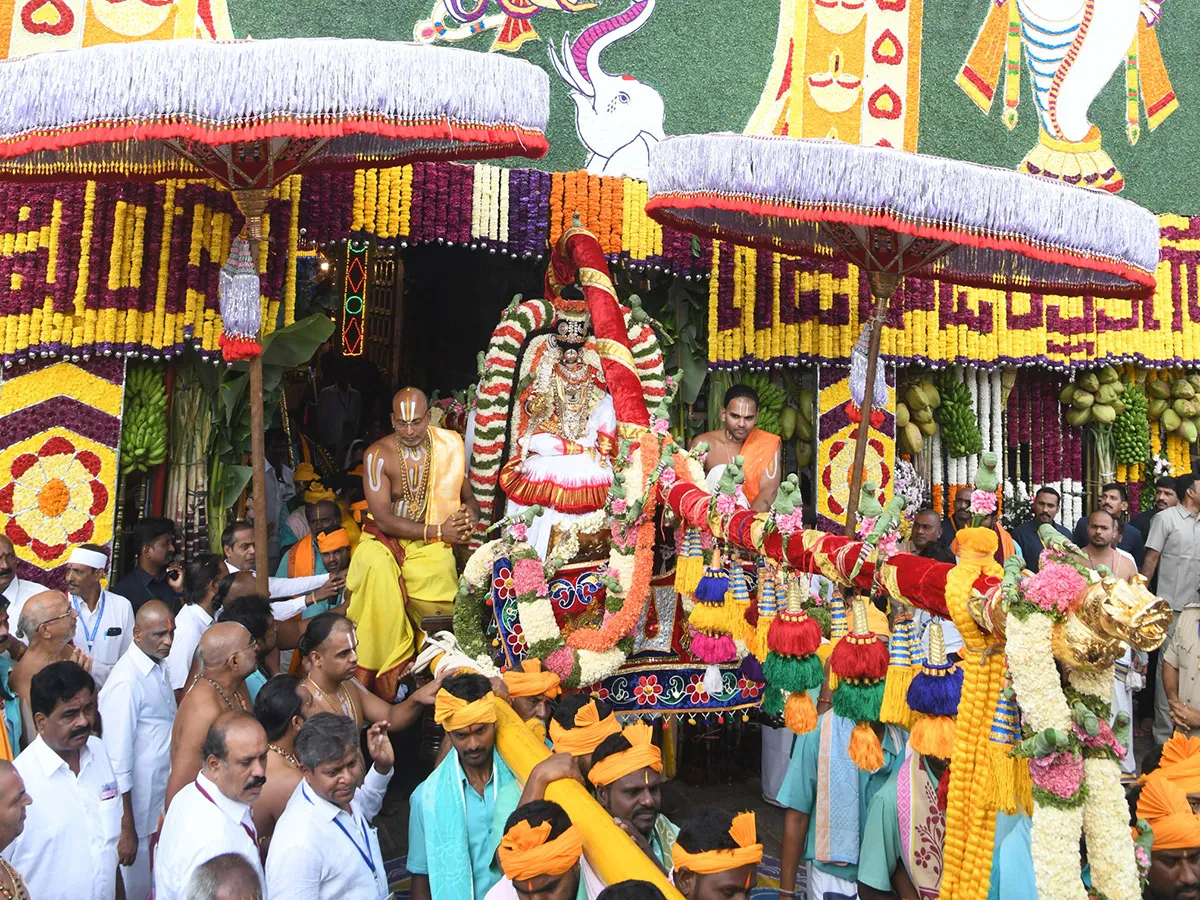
(612, 853)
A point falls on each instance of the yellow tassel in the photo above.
(709, 618)
(865, 750)
(800, 715)
(933, 736)
(895, 709)
(1024, 787)
(688, 572)
(760, 637)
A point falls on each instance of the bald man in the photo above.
(227, 656)
(47, 624)
(420, 503)
(137, 707)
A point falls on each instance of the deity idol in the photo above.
(564, 433)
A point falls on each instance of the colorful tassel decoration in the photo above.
(839, 627)
(792, 664)
(895, 709)
(934, 695)
(712, 586)
(1009, 786)
(709, 619)
(689, 565)
(712, 649)
(799, 714)
(860, 660)
(768, 608)
(241, 306)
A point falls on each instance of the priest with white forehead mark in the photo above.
(420, 504)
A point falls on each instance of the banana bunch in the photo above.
(956, 416)
(800, 424)
(1175, 403)
(914, 416)
(144, 423)
(771, 399)
(1131, 431)
(1094, 397)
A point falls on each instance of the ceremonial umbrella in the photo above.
(250, 113)
(894, 214)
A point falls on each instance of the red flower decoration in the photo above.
(695, 690)
(647, 690)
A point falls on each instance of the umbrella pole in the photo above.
(883, 285)
(252, 204)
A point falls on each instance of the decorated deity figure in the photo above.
(565, 433)
(1072, 48)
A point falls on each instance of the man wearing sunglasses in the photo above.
(47, 624)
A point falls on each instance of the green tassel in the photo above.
(772, 704)
(793, 673)
(858, 702)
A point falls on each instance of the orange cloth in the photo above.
(1180, 763)
(642, 754)
(758, 452)
(304, 472)
(526, 851)
(1165, 806)
(531, 681)
(446, 480)
(301, 559)
(588, 734)
(329, 541)
(1007, 548)
(318, 493)
(748, 853)
(454, 713)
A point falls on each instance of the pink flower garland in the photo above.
(1056, 587)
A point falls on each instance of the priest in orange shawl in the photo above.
(420, 504)
(738, 437)
(1175, 853)
(716, 855)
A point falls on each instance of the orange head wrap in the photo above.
(359, 512)
(531, 681)
(318, 493)
(454, 713)
(588, 734)
(304, 472)
(1164, 805)
(1180, 762)
(748, 852)
(525, 851)
(329, 541)
(642, 754)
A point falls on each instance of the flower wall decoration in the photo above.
(60, 433)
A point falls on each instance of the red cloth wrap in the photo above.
(579, 249)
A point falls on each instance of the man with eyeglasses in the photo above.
(227, 655)
(47, 624)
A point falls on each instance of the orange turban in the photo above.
(454, 713)
(748, 853)
(304, 472)
(1164, 805)
(1181, 762)
(531, 681)
(359, 512)
(588, 734)
(642, 754)
(318, 493)
(525, 851)
(329, 541)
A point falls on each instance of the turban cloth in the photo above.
(318, 493)
(748, 853)
(1165, 806)
(531, 680)
(329, 541)
(588, 734)
(454, 713)
(526, 851)
(642, 754)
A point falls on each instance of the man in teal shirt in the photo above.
(807, 792)
(451, 836)
(892, 863)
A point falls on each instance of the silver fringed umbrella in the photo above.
(894, 214)
(250, 113)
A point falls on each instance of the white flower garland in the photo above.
(1034, 674)
(1054, 842)
(997, 444)
(596, 666)
(1105, 825)
(970, 378)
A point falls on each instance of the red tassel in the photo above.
(238, 348)
(860, 657)
(943, 788)
(796, 634)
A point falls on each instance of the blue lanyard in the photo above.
(366, 855)
(89, 636)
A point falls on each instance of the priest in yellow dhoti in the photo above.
(420, 504)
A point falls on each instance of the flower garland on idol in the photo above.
(1073, 754)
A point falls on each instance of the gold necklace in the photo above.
(217, 688)
(290, 758)
(344, 701)
(414, 488)
(19, 891)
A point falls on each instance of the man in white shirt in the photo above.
(104, 629)
(137, 707)
(211, 815)
(68, 850)
(324, 847)
(14, 588)
(288, 595)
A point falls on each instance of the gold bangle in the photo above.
(439, 532)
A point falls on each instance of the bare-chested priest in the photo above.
(47, 624)
(420, 504)
(227, 656)
(759, 449)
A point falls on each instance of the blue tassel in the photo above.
(712, 586)
(936, 695)
(751, 668)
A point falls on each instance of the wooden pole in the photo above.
(253, 204)
(883, 285)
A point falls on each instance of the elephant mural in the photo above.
(617, 117)
(1072, 49)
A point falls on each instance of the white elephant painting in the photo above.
(618, 118)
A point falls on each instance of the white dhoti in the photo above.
(823, 886)
(1125, 681)
(137, 877)
(776, 754)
